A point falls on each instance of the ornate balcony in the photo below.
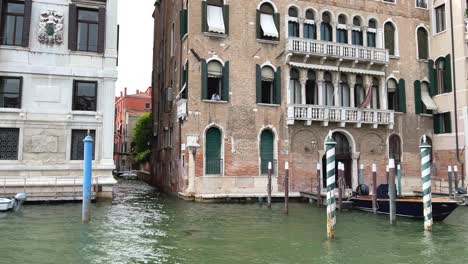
(340, 115)
(337, 50)
(182, 109)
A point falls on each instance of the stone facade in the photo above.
(299, 128)
(48, 68)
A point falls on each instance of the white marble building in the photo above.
(57, 79)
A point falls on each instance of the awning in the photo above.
(215, 19)
(268, 26)
(427, 99)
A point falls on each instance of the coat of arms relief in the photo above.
(51, 27)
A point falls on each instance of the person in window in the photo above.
(215, 97)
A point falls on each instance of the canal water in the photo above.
(144, 226)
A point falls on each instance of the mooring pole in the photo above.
(269, 185)
(392, 191)
(331, 203)
(87, 174)
(374, 188)
(319, 186)
(426, 183)
(455, 177)
(450, 186)
(286, 188)
(361, 175)
(340, 184)
(399, 180)
(387, 174)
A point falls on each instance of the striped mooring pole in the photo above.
(426, 183)
(331, 203)
(87, 175)
(399, 179)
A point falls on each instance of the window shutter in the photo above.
(276, 18)
(448, 74)
(101, 30)
(204, 80)
(258, 83)
(72, 27)
(26, 23)
(448, 128)
(204, 26)
(226, 19)
(225, 95)
(436, 123)
(432, 78)
(183, 20)
(277, 99)
(259, 31)
(401, 96)
(417, 97)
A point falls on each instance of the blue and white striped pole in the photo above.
(331, 203)
(426, 183)
(87, 174)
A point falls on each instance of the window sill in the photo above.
(11, 110)
(215, 101)
(268, 105)
(426, 115)
(86, 53)
(11, 47)
(394, 57)
(440, 33)
(85, 113)
(215, 35)
(265, 41)
(423, 60)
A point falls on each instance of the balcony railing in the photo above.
(182, 108)
(341, 115)
(337, 50)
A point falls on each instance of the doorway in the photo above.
(343, 154)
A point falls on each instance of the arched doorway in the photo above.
(266, 151)
(394, 148)
(343, 154)
(213, 161)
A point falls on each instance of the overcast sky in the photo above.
(136, 44)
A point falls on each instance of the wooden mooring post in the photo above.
(374, 188)
(387, 173)
(319, 186)
(361, 175)
(340, 185)
(455, 177)
(392, 191)
(450, 187)
(286, 188)
(269, 185)
(400, 191)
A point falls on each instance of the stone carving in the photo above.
(51, 27)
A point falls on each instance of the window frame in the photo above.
(443, 19)
(4, 14)
(71, 143)
(18, 145)
(87, 22)
(75, 97)
(20, 91)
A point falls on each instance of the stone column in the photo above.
(336, 89)
(303, 86)
(333, 25)
(301, 27)
(318, 24)
(379, 39)
(352, 83)
(364, 36)
(191, 175)
(111, 30)
(320, 87)
(350, 34)
(106, 108)
(367, 87)
(383, 93)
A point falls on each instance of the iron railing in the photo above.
(214, 167)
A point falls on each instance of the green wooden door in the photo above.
(213, 160)
(266, 150)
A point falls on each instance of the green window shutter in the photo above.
(276, 18)
(213, 151)
(277, 98)
(226, 19)
(432, 78)
(204, 25)
(417, 97)
(204, 80)
(225, 95)
(448, 129)
(401, 96)
(448, 74)
(266, 150)
(436, 123)
(258, 83)
(259, 30)
(183, 23)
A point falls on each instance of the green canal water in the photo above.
(143, 226)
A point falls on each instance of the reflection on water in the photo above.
(142, 226)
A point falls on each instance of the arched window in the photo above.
(267, 22)
(392, 94)
(213, 161)
(357, 32)
(440, 68)
(268, 78)
(375, 102)
(214, 80)
(359, 91)
(394, 148)
(266, 150)
(295, 87)
(371, 34)
(326, 28)
(341, 32)
(329, 91)
(293, 22)
(311, 88)
(390, 42)
(310, 31)
(423, 44)
(345, 100)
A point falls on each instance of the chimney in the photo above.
(125, 91)
(138, 91)
(121, 94)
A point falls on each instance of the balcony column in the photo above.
(383, 93)
(301, 27)
(379, 38)
(350, 34)
(352, 83)
(367, 87)
(336, 90)
(320, 87)
(364, 36)
(303, 86)
(333, 25)
(318, 26)
(288, 82)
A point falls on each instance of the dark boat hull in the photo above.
(407, 208)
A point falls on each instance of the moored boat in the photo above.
(12, 204)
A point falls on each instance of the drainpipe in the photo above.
(454, 82)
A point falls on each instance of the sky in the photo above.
(136, 45)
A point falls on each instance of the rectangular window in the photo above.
(88, 29)
(442, 123)
(84, 96)
(267, 92)
(293, 29)
(147, 105)
(421, 3)
(12, 22)
(309, 31)
(440, 18)
(77, 144)
(10, 92)
(393, 101)
(9, 141)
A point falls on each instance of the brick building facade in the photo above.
(243, 83)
